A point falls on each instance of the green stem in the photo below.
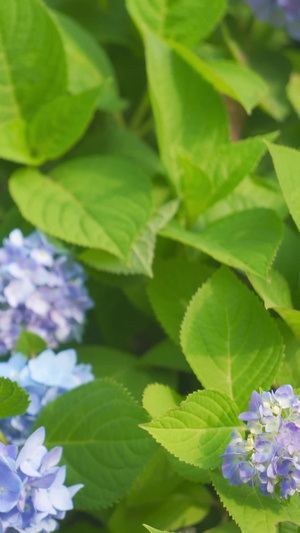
(140, 112)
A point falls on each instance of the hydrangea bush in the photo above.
(150, 217)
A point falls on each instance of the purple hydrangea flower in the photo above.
(269, 457)
(32, 491)
(44, 378)
(41, 290)
(281, 13)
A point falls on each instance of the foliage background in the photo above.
(158, 140)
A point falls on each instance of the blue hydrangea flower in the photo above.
(44, 378)
(269, 457)
(41, 290)
(281, 13)
(32, 491)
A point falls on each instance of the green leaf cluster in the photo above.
(158, 140)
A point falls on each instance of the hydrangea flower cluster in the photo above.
(281, 13)
(44, 378)
(41, 290)
(270, 455)
(33, 494)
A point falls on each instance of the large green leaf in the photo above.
(142, 252)
(13, 399)
(107, 138)
(159, 398)
(97, 425)
(88, 65)
(197, 187)
(220, 173)
(190, 116)
(247, 240)
(251, 510)
(100, 202)
(252, 192)
(174, 283)
(198, 430)
(276, 295)
(33, 71)
(286, 161)
(59, 124)
(234, 80)
(230, 163)
(229, 339)
(185, 21)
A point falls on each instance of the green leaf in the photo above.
(276, 295)
(293, 91)
(59, 124)
(275, 291)
(251, 510)
(156, 400)
(197, 188)
(166, 354)
(142, 252)
(29, 343)
(106, 425)
(287, 527)
(230, 163)
(161, 497)
(286, 162)
(159, 398)
(107, 210)
(248, 86)
(88, 64)
(33, 72)
(252, 192)
(13, 399)
(174, 283)
(107, 138)
(197, 431)
(190, 116)
(246, 240)
(186, 21)
(220, 174)
(123, 368)
(227, 77)
(274, 69)
(229, 339)
(188, 504)
(290, 368)
(154, 530)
